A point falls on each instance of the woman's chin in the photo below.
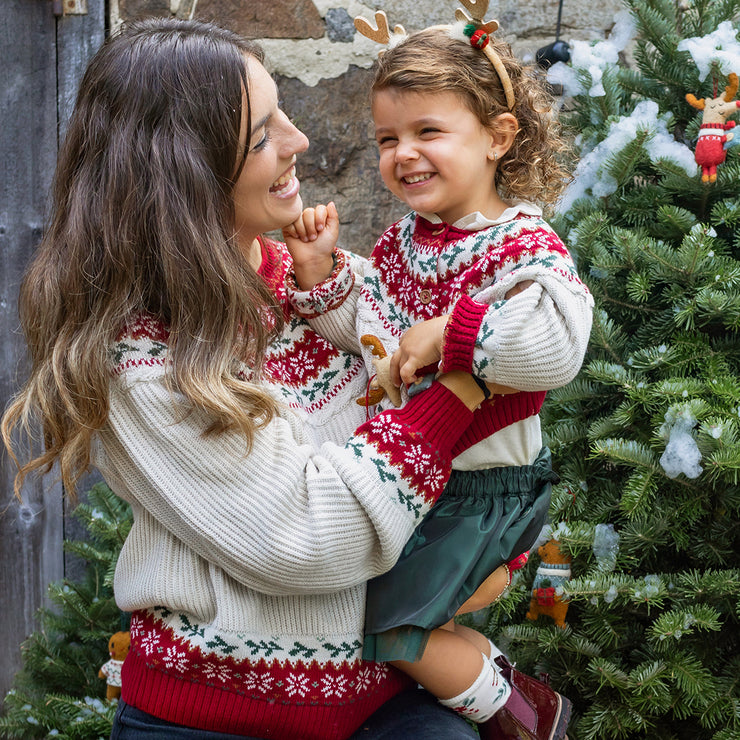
(295, 209)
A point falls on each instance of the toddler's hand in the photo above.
(311, 240)
(420, 346)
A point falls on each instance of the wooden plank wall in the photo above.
(43, 59)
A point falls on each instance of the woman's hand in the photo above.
(311, 240)
(464, 387)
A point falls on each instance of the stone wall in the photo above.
(322, 70)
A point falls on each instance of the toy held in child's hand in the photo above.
(552, 572)
(711, 146)
(380, 384)
(118, 647)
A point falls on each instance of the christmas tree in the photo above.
(57, 693)
(647, 438)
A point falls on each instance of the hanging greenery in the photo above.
(647, 438)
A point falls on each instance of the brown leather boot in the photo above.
(532, 712)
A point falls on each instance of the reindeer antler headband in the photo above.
(470, 28)
(382, 33)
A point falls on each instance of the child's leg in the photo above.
(480, 641)
(449, 664)
(459, 674)
(489, 591)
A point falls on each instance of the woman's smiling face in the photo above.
(266, 194)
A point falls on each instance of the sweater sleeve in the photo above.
(284, 518)
(533, 341)
(331, 306)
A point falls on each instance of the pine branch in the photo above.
(57, 692)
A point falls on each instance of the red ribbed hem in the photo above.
(460, 334)
(438, 416)
(490, 417)
(207, 707)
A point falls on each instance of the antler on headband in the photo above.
(478, 31)
(475, 28)
(477, 10)
(382, 33)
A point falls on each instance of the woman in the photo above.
(155, 343)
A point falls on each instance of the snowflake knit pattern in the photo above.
(419, 270)
(245, 574)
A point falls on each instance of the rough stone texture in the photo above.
(294, 19)
(341, 162)
(128, 9)
(322, 69)
(339, 25)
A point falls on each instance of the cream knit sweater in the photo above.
(245, 573)
(422, 268)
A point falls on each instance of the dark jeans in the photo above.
(412, 715)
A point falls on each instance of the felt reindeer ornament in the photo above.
(710, 148)
(380, 384)
(552, 572)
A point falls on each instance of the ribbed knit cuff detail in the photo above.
(324, 296)
(438, 416)
(460, 335)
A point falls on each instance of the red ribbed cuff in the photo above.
(438, 416)
(501, 412)
(460, 334)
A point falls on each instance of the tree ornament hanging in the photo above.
(118, 647)
(711, 147)
(552, 573)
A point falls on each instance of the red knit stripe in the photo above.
(207, 707)
(437, 415)
(460, 334)
(491, 417)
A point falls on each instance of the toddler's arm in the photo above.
(421, 346)
(532, 339)
(324, 287)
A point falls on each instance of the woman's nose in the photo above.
(301, 140)
(294, 140)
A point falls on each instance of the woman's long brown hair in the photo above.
(142, 222)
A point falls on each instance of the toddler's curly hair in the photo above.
(432, 61)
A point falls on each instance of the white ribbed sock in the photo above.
(495, 652)
(484, 697)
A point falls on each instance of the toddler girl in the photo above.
(475, 270)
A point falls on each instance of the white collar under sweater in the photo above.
(476, 221)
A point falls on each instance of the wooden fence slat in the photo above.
(31, 531)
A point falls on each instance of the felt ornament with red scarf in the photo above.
(712, 144)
